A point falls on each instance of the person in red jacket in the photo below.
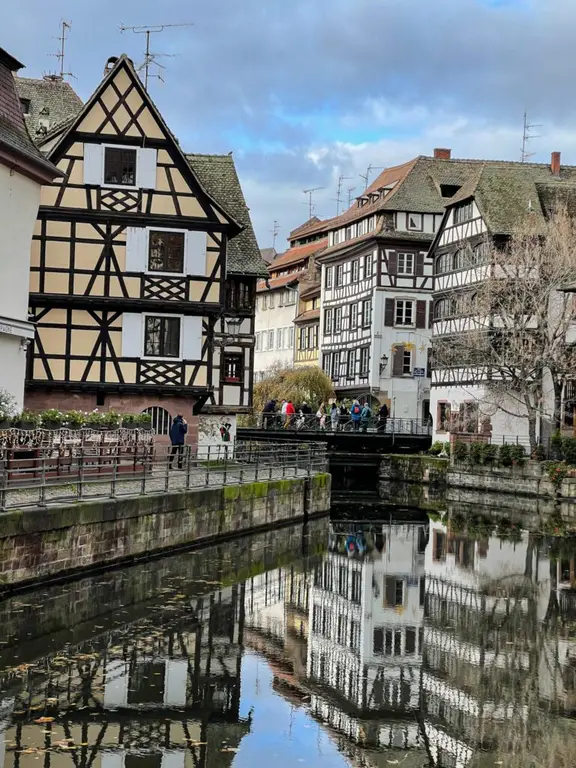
(290, 411)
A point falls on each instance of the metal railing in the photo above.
(311, 423)
(40, 477)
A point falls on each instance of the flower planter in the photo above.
(5, 423)
(130, 426)
(51, 425)
(25, 425)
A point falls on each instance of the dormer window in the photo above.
(25, 104)
(464, 212)
(120, 166)
(449, 190)
(415, 222)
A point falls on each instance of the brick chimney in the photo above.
(555, 163)
(442, 154)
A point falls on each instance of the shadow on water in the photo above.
(398, 633)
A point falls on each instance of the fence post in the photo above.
(114, 472)
(225, 474)
(4, 484)
(188, 462)
(42, 499)
(167, 470)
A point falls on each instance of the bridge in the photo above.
(354, 450)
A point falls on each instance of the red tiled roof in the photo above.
(310, 290)
(311, 314)
(298, 253)
(280, 282)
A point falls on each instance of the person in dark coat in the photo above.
(269, 414)
(178, 438)
(383, 414)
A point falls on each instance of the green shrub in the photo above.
(505, 455)
(557, 471)
(539, 453)
(556, 446)
(74, 418)
(569, 449)
(50, 416)
(489, 453)
(518, 455)
(31, 420)
(475, 453)
(111, 419)
(439, 446)
(460, 451)
(144, 420)
(95, 420)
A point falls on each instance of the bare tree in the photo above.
(511, 332)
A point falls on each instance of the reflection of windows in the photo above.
(444, 263)
(410, 647)
(443, 416)
(422, 591)
(378, 642)
(147, 683)
(394, 592)
(120, 166)
(162, 337)
(342, 581)
(439, 546)
(355, 635)
(356, 586)
(166, 252)
(316, 618)
(232, 368)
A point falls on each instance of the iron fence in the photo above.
(311, 423)
(44, 476)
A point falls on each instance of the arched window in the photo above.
(444, 263)
(460, 259)
(481, 253)
(161, 419)
(441, 308)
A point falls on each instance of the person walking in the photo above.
(321, 416)
(355, 415)
(178, 432)
(269, 414)
(334, 417)
(383, 414)
(289, 416)
(365, 417)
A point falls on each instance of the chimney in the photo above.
(442, 154)
(555, 163)
(110, 64)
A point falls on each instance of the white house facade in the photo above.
(23, 170)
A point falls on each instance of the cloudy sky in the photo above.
(306, 91)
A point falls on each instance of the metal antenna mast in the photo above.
(338, 197)
(366, 176)
(65, 25)
(149, 56)
(350, 190)
(310, 192)
(527, 136)
(275, 229)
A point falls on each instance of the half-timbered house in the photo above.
(377, 285)
(23, 170)
(497, 198)
(144, 265)
(307, 323)
(278, 301)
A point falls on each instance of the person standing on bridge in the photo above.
(383, 414)
(365, 416)
(355, 415)
(269, 414)
(290, 412)
(334, 417)
(178, 438)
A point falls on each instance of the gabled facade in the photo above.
(23, 170)
(497, 197)
(291, 274)
(377, 285)
(307, 323)
(135, 269)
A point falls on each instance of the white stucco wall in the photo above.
(12, 367)
(271, 320)
(209, 431)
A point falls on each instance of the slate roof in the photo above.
(217, 174)
(310, 314)
(268, 254)
(303, 227)
(51, 99)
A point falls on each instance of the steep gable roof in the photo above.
(217, 174)
(52, 100)
(297, 253)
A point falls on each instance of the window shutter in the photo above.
(389, 313)
(93, 163)
(420, 314)
(136, 249)
(430, 314)
(192, 342)
(398, 361)
(419, 264)
(132, 342)
(392, 263)
(146, 168)
(195, 261)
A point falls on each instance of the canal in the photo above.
(383, 635)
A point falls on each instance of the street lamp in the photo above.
(383, 364)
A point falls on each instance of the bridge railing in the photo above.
(311, 423)
(42, 477)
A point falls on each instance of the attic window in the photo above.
(25, 104)
(120, 166)
(415, 222)
(449, 190)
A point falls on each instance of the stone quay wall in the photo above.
(42, 544)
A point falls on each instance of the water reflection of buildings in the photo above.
(163, 692)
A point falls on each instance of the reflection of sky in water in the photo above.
(281, 734)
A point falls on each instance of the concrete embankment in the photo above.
(41, 544)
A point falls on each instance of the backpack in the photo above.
(355, 409)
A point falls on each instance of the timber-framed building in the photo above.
(144, 267)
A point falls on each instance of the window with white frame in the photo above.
(351, 363)
(414, 222)
(258, 341)
(405, 264)
(270, 339)
(263, 302)
(327, 363)
(271, 301)
(444, 263)
(166, 251)
(337, 319)
(371, 223)
(353, 316)
(404, 312)
(291, 338)
(362, 225)
(162, 336)
(279, 338)
(368, 265)
(355, 271)
(290, 297)
(335, 365)
(339, 275)
(119, 166)
(327, 322)
(366, 313)
(364, 360)
(328, 278)
(464, 212)
(281, 299)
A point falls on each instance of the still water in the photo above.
(399, 639)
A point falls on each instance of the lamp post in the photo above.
(383, 364)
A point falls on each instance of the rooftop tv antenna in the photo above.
(310, 192)
(527, 135)
(366, 176)
(150, 57)
(275, 229)
(350, 190)
(65, 26)
(338, 197)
